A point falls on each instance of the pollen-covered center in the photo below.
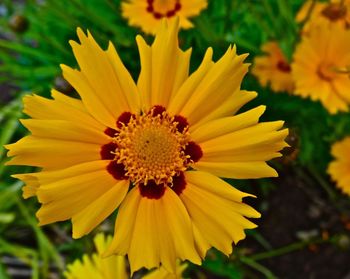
(155, 146)
(151, 147)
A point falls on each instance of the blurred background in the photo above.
(304, 231)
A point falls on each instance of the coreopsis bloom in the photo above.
(156, 148)
(273, 68)
(97, 267)
(321, 67)
(339, 169)
(315, 13)
(162, 273)
(148, 14)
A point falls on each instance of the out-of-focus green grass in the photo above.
(30, 60)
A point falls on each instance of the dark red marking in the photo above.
(170, 13)
(182, 123)
(194, 151)
(152, 190)
(110, 132)
(179, 183)
(334, 11)
(124, 118)
(157, 15)
(157, 110)
(117, 170)
(283, 66)
(106, 151)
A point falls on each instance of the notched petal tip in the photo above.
(81, 35)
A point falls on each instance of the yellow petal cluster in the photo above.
(321, 67)
(95, 266)
(314, 13)
(339, 168)
(273, 69)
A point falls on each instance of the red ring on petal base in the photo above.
(111, 132)
(108, 151)
(179, 183)
(283, 66)
(124, 119)
(152, 190)
(157, 110)
(182, 123)
(194, 151)
(117, 170)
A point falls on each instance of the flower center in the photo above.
(163, 8)
(152, 147)
(152, 150)
(283, 66)
(326, 72)
(334, 11)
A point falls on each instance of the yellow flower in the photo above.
(168, 138)
(321, 67)
(97, 267)
(162, 273)
(148, 14)
(273, 68)
(339, 169)
(333, 12)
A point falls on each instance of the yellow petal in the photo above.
(246, 136)
(164, 67)
(161, 228)
(104, 84)
(219, 82)
(238, 170)
(83, 270)
(222, 126)
(222, 188)
(124, 226)
(31, 184)
(204, 208)
(111, 267)
(62, 108)
(51, 153)
(65, 130)
(191, 83)
(97, 211)
(64, 193)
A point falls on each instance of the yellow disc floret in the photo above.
(152, 148)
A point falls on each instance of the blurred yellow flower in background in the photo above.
(162, 273)
(315, 13)
(321, 67)
(97, 267)
(339, 169)
(273, 69)
(148, 14)
(168, 138)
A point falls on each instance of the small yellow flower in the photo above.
(162, 273)
(321, 67)
(273, 68)
(333, 12)
(97, 267)
(339, 169)
(148, 14)
(155, 148)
